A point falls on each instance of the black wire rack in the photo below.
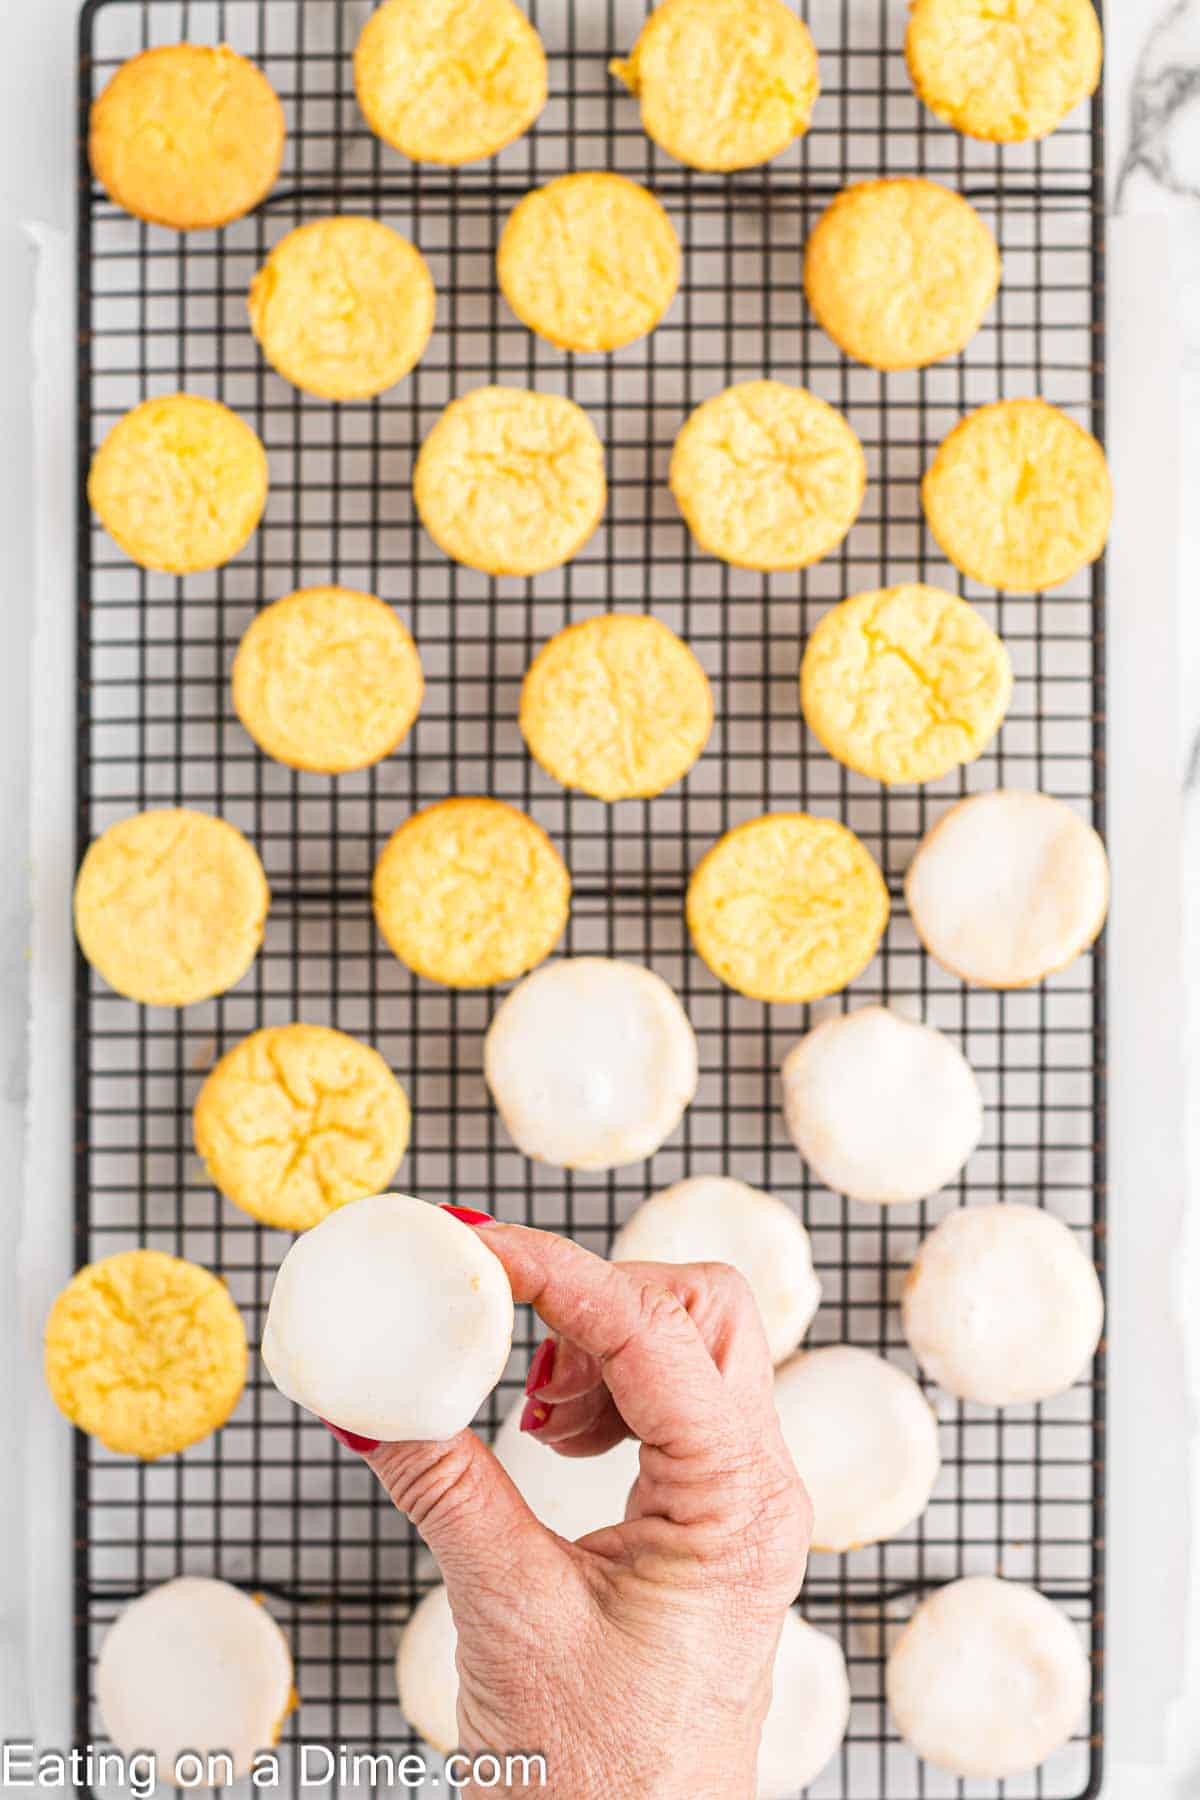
(270, 1502)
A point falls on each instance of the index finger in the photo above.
(655, 1363)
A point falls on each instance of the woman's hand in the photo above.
(638, 1661)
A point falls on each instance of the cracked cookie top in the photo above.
(297, 1120)
(905, 683)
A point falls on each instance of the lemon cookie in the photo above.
(427, 1670)
(616, 706)
(988, 1679)
(471, 892)
(187, 136)
(327, 679)
(723, 84)
(145, 1352)
(1004, 73)
(180, 483)
(170, 906)
(592, 1063)
(809, 1713)
(573, 1495)
(900, 273)
(787, 907)
(1007, 888)
(343, 308)
(864, 1439)
(511, 482)
(905, 684)
(768, 476)
(1001, 1305)
(589, 261)
(391, 1318)
(449, 81)
(713, 1218)
(925, 1115)
(194, 1666)
(1019, 496)
(297, 1120)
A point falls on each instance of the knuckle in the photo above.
(431, 1482)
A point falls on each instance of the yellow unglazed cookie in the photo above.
(616, 706)
(900, 273)
(327, 679)
(787, 907)
(723, 84)
(1004, 72)
(449, 81)
(170, 906)
(180, 483)
(589, 261)
(511, 482)
(343, 308)
(1019, 496)
(187, 136)
(904, 684)
(471, 892)
(768, 476)
(145, 1352)
(296, 1120)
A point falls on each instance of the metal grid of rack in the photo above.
(270, 1502)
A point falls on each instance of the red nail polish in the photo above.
(468, 1215)
(350, 1440)
(541, 1369)
(534, 1415)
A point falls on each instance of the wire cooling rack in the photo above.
(270, 1502)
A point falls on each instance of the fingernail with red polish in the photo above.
(534, 1415)
(350, 1440)
(468, 1215)
(541, 1369)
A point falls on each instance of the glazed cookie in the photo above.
(1002, 1306)
(511, 482)
(297, 1120)
(923, 1119)
(809, 1712)
(1019, 497)
(905, 684)
(1005, 73)
(573, 1495)
(449, 81)
(713, 1218)
(427, 1671)
(787, 907)
(768, 476)
(471, 892)
(806, 1721)
(864, 1440)
(327, 679)
(900, 273)
(592, 1063)
(590, 262)
(616, 706)
(390, 1319)
(1007, 888)
(194, 1665)
(180, 483)
(988, 1679)
(145, 1352)
(343, 308)
(187, 136)
(170, 907)
(723, 84)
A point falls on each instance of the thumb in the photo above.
(481, 1532)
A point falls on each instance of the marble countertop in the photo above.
(1153, 76)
